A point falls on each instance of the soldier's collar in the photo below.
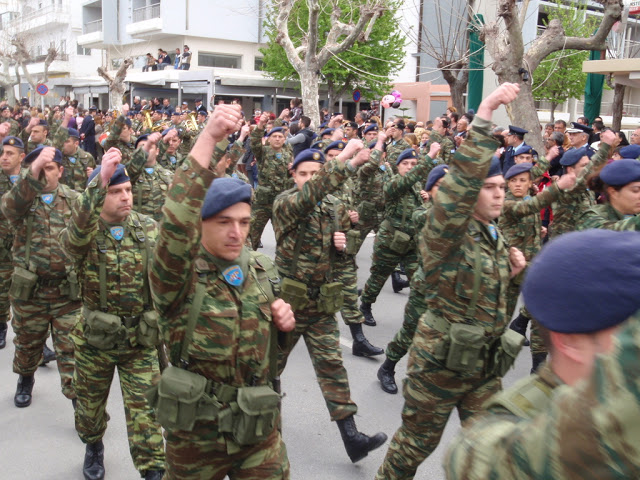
(234, 272)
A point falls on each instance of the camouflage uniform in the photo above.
(230, 340)
(447, 147)
(568, 208)
(394, 148)
(150, 185)
(49, 305)
(585, 431)
(315, 266)
(113, 140)
(370, 180)
(402, 197)
(455, 242)
(607, 217)
(14, 131)
(30, 146)
(88, 241)
(188, 139)
(273, 177)
(169, 161)
(75, 166)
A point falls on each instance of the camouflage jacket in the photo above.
(273, 167)
(570, 205)
(453, 238)
(231, 335)
(447, 147)
(370, 179)
(30, 146)
(169, 161)
(14, 131)
(588, 430)
(113, 140)
(88, 237)
(149, 185)
(188, 138)
(313, 208)
(6, 230)
(75, 166)
(46, 257)
(607, 217)
(419, 218)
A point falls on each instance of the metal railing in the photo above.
(606, 109)
(146, 13)
(90, 27)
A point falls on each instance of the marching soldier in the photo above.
(77, 163)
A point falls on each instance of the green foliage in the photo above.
(367, 66)
(559, 77)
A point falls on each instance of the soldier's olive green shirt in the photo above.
(6, 231)
(607, 217)
(370, 179)
(447, 146)
(113, 140)
(75, 165)
(273, 167)
(150, 184)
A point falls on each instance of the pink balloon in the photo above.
(388, 100)
(397, 95)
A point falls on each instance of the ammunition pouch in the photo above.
(257, 414)
(148, 332)
(103, 330)
(74, 286)
(23, 283)
(367, 212)
(294, 293)
(465, 348)
(503, 352)
(264, 195)
(5, 253)
(401, 242)
(353, 240)
(331, 297)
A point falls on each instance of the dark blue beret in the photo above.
(630, 151)
(407, 153)
(73, 132)
(319, 145)
(175, 113)
(621, 172)
(132, 113)
(222, 193)
(43, 123)
(371, 128)
(327, 131)
(142, 138)
(308, 155)
(6, 107)
(335, 114)
(37, 151)
(202, 112)
(518, 169)
(495, 169)
(128, 122)
(323, 124)
(583, 282)
(118, 177)
(167, 130)
(524, 149)
(517, 130)
(351, 124)
(275, 130)
(579, 128)
(13, 142)
(573, 156)
(436, 174)
(337, 145)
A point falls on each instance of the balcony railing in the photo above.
(146, 13)
(90, 27)
(26, 18)
(628, 109)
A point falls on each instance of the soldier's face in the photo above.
(331, 154)
(304, 172)
(490, 199)
(70, 146)
(38, 134)
(224, 234)
(578, 167)
(174, 143)
(434, 190)
(406, 165)
(523, 158)
(627, 199)
(370, 136)
(52, 173)
(520, 184)
(125, 135)
(349, 132)
(117, 203)
(11, 159)
(6, 113)
(276, 140)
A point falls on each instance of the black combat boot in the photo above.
(519, 325)
(93, 468)
(154, 475)
(386, 374)
(3, 335)
(48, 355)
(537, 359)
(397, 282)
(357, 444)
(361, 346)
(23, 392)
(365, 308)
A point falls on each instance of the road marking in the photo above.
(346, 343)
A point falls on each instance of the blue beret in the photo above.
(175, 113)
(338, 145)
(308, 155)
(92, 108)
(335, 114)
(202, 112)
(436, 174)
(13, 142)
(495, 169)
(275, 130)
(524, 149)
(407, 153)
(37, 151)
(630, 151)
(73, 132)
(351, 124)
(327, 131)
(167, 130)
(583, 282)
(573, 156)
(323, 124)
(517, 130)
(118, 177)
(518, 169)
(319, 145)
(142, 138)
(579, 128)
(621, 172)
(371, 128)
(6, 107)
(222, 193)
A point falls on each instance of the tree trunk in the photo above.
(309, 86)
(553, 112)
(457, 95)
(618, 103)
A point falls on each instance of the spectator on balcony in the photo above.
(151, 64)
(185, 59)
(176, 62)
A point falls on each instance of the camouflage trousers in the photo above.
(348, 276)
(32, 319)
(413, 310)
(384, 262)
(5, 282)
(202, 455)
(322, 337)
(431, 392)
(137, 370)
(537, 344)
(260, 214)
(366, 227)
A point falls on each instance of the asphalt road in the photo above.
(40, 442)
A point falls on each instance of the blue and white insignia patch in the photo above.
(72, 160)
(117, 232)
(234, 175)
(47, 198)
(528, 197)
(383, 168)
(14, 178)
(493, 231)
(278, 156)
(149, 170)
(172, 160)
(233, 275)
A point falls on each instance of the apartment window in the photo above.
(258, 63)
(83, 51)
(218, 60)
(63, 46)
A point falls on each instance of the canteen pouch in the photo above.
(465, 347)
(147, 331)
(505, 352)
(103, 330)
(23, 283)
(367, 211)
(263, 194)
(176, 397)
(331, 297)
(353, 238)
(294, 293)
(74, 286)
(257, 416)
(401, 242)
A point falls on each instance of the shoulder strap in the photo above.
(525, 399)
(404, 212)
(477, 278)
(32, 213)
(296, 250)
(102, 267)
(194, 311)
(142, 235)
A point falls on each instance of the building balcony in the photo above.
(92, 35)
(157, 21)
(46, 18)
(60, 66)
